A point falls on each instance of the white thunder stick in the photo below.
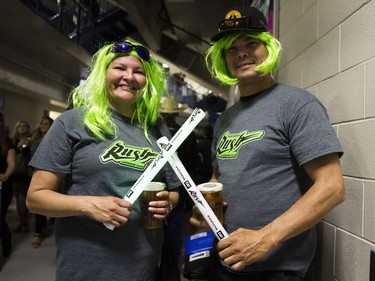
(161, 159)
(193, 191)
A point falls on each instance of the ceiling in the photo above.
(178, 31)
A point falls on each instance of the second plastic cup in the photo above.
(213, 193)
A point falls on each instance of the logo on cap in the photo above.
(232, 14)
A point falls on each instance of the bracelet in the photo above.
(170, 208)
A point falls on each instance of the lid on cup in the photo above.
(155, 186)
(210, 187)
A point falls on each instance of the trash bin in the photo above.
(198, 255)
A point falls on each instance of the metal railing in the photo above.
(76, 19)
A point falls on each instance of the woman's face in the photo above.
(44, 126)
(22, 128)
(126, 78)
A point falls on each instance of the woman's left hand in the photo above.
(162, 207)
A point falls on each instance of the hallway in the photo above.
(26, 263)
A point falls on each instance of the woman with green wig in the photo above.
(276, 154)
(91, 157)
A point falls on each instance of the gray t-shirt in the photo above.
(259, 147)
(86, 249)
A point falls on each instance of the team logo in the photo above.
(127, 155)
(230, 144)
(230, 18)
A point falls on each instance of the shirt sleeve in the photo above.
(311, 134)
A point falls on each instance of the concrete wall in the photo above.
(25, 107)
(329, 49)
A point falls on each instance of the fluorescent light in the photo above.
(58, 103)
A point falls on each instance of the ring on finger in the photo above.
(169, 208)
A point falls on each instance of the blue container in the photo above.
(198, 255)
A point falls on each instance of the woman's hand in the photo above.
(162, 207)
(23, 143)
(110, 210)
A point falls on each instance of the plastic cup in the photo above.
(148, 195)
(213, 193)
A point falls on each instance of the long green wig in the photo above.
(215, 56)
(93, 94)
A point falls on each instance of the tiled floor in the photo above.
(26, 263)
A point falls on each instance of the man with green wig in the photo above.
(276, 154)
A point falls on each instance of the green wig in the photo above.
(93, 94)
(215, 58)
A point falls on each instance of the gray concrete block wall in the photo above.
(370, 88)
(357, 139)
(321, 60)
(352, 257)
(334, 12)
(357, 33)
(329, 49)
(343, 95)
(369, 211)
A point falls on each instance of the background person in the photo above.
(204, 143)
(7, 165)
(22, 173)
(188, 154)
(40, 225)
(276, 154)
(97, 151)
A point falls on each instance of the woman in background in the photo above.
(36, 139)
(7, 165)
(22, 173)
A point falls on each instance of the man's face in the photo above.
(243, 57)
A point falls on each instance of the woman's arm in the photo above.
(44, 198)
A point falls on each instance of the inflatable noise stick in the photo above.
(193, 191)
(161, 159)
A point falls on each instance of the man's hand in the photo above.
(244, 247)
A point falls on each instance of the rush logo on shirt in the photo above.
(230, 144)
(127, 155)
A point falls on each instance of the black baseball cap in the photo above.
(241, 18)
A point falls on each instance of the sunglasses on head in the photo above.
(126, 47)
(243, 22)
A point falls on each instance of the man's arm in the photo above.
(245, 246)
